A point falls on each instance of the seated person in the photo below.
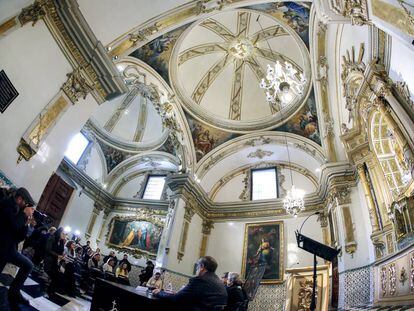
(109, 266)
(111, 255)
(155, 281)
(146, 273)
(122, 270)
(93, 263)
(203, 292)
(235, 293)
(125, 260)
(224, 278)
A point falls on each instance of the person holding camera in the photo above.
(16, 213)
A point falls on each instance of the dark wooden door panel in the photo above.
(55, 198)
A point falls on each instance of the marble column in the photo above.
(94, 215)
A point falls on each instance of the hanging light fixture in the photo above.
(282, 83)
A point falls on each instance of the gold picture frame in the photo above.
(134, 251)
(264, 243)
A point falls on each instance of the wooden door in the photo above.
(55, 198)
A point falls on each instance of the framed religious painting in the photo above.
(263, 245)
(137, 237)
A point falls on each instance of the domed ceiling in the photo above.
(132, 117)
(229, 50)
(218, 63)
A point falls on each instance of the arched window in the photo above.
(386, 149)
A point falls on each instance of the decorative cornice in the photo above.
(103, 199)
(77, 41)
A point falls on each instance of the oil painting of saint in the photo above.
(136, 235)
(263, 245)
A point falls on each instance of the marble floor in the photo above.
(34, 292)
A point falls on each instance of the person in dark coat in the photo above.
(55, 247)
(236, 298)
(15, 214)
(202, 293)
(111, 255)
(146, 273)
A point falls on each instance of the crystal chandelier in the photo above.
(282, 83)
(293, 203)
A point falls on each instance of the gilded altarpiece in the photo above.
(300, 288)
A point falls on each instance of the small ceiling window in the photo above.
(76, 148)
(154, 188)
(264, 184)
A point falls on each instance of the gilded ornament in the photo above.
(403, 276)
(260, 154)
(25, 151)
(392, 278)
(305, 294)
(76, 86)
(383, 280)
(33, 13)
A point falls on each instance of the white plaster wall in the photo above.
(339, 39)
(364, 254)
(193, 243)
(110, 19)
(94, 168)
(78, 212)
(37, 68)
(10, 8)
(131, 188)
(231, 191)
(402, 65)
(226, 243)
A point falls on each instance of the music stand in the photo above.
(317, 249)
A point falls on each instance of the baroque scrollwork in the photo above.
(76, 86)
(33, 13)
(392, 278)
(383, 280)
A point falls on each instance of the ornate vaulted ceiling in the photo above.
(211, 68)
(217, 65)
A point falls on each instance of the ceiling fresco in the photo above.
(157, 53)
(206, 136)
(304, 122)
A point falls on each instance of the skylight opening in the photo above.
(76, 148)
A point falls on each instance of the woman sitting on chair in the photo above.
(236, 298)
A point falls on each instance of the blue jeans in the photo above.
(25, 267)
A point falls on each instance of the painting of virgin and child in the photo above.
(263, 246)
(135, 234)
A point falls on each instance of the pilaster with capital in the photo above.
(324, 222)
(188, 215)
(373, 215)
(205, 230)
(92, 220)
(342, 195)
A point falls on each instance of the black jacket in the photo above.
(13, 227)
(201, 293)
(235, 298)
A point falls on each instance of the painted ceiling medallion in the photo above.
(218, 62)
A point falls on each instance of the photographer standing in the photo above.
(16, 213)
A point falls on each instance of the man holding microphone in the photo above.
(16, 213)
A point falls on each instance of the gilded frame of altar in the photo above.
(137, 252)
(257, 238)
(299, 288)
